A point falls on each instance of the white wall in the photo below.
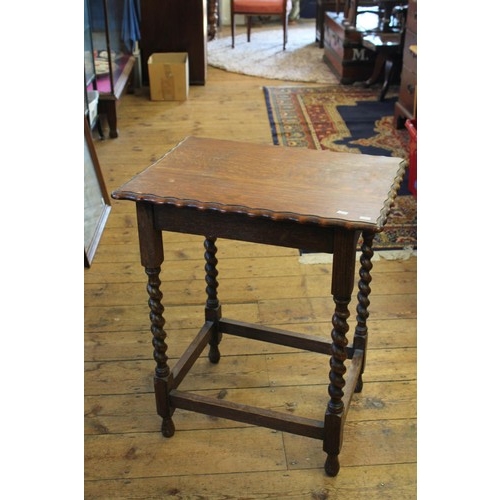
(225, 14)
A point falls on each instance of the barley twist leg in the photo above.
(335, 407)
(162, 371)
(361, 331)
(212, 308)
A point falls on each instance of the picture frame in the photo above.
(97, 204)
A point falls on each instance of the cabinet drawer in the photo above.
(407, 90)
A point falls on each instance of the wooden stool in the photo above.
(292, 197)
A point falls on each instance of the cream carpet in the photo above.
(302, 61)
(327, 258)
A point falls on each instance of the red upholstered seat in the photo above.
(251, 8)
(263, 6)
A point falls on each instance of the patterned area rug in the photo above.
(347, 118)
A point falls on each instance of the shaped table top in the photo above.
(282, 183)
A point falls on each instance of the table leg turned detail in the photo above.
(335, 408)
(162, 371)
(343, 271)
(361, 332)
(213, 310)
(339, 355)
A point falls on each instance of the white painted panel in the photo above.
(225, 14)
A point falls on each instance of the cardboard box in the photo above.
(168, 76)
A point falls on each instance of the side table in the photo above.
(299, 198)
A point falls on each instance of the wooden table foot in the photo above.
(167, 427)
(332, 465)
(214, 354)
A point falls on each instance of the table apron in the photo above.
(243, 227)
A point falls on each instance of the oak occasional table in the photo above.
(299, 198)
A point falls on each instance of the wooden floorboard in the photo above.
(209, 457)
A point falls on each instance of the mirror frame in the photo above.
(97, 204)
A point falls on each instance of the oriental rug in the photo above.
(347, 118)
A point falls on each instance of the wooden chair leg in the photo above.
(249, 27)
(285, 30)
(388, 71)
(321, 23)
(232, 29)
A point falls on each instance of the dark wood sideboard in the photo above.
(175, 26)
(406, 106)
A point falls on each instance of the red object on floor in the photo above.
(411, 126)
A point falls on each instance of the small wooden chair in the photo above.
(251, 8)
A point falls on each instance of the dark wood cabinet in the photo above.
(175, 26)
(406, 106)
